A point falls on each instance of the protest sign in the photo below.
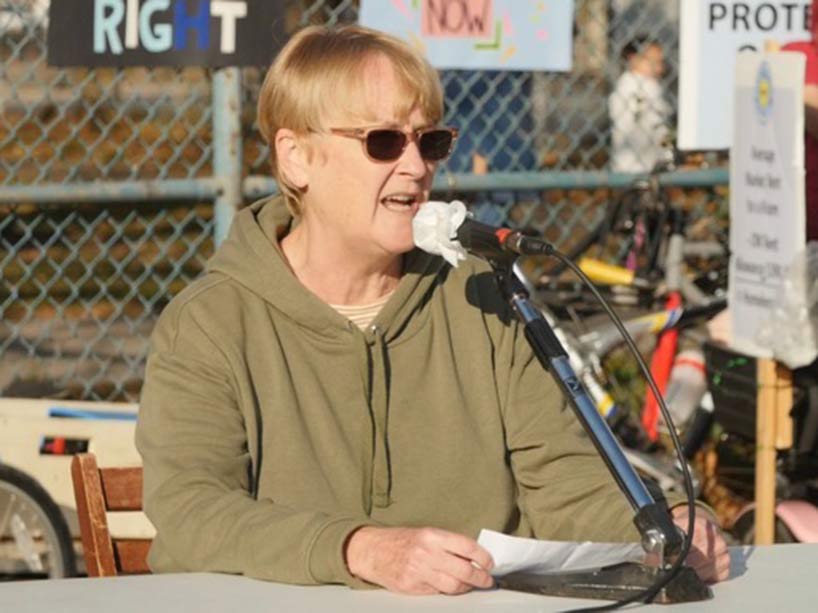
(711, 34)
(96, 33)
(767, 202)
(480, 34)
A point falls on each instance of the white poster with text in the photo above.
(711, 33)
(767, 206)
(480, 34)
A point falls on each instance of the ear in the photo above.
(292, 157)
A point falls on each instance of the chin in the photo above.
(402, 248)
(398, 240)
(396, 246)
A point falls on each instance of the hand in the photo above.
(708, 552)
(418, 560)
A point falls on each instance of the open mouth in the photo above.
(401, 202)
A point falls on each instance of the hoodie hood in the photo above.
(252, 256)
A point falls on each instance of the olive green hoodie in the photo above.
(271, 427)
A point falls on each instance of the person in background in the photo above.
(810, 50)
(329, 404)
(638, 110)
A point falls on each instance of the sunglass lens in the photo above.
(385, 145)
(435, 145)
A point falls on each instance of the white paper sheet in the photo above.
(512, 554)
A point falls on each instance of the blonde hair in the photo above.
(320, 70)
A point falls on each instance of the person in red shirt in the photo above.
(810, 49)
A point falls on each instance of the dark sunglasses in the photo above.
(388, 144)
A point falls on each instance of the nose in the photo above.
(411, 163)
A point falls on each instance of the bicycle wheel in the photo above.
(744, 530)
(34, 538)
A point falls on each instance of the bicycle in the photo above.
(587, 350)
(645, 241)
(644, 246)
(35, 541)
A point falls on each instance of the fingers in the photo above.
(720, 570)
(712, 569)
(464, 572)
(418, 560)
(709, 555)
(460, 564)
(423, 589)
(467, 548)
(715, 566)
(723, 568)
(446, 584)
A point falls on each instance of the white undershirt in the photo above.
(362, 314)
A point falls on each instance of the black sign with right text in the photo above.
(165, 32)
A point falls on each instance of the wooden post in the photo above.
(479, 164)
(773, 431)
(783, 408)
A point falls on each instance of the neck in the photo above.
(335, 273)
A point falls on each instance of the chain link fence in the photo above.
(85, 268)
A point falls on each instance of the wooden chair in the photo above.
(97, 491)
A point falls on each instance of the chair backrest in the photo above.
(98, 491)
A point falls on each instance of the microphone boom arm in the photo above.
(659, 533)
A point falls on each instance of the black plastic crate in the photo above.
(732, 381)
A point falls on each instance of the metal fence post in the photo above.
(227, 154)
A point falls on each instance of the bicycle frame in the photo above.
(586, 351)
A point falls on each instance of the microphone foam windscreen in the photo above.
(434, 229)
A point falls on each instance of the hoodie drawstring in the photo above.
(379, 403)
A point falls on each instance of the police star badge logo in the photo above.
(764, 92)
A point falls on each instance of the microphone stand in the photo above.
(660, 536)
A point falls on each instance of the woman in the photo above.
(328, 405)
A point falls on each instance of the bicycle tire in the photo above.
(39, 519)
(743, 530)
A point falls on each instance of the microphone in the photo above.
(491, 241)
(445, 229)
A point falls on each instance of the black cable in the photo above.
(650, 593)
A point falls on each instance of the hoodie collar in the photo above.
(252, 256)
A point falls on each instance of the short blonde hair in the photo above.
(320, 69)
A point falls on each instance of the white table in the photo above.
(777, 578)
